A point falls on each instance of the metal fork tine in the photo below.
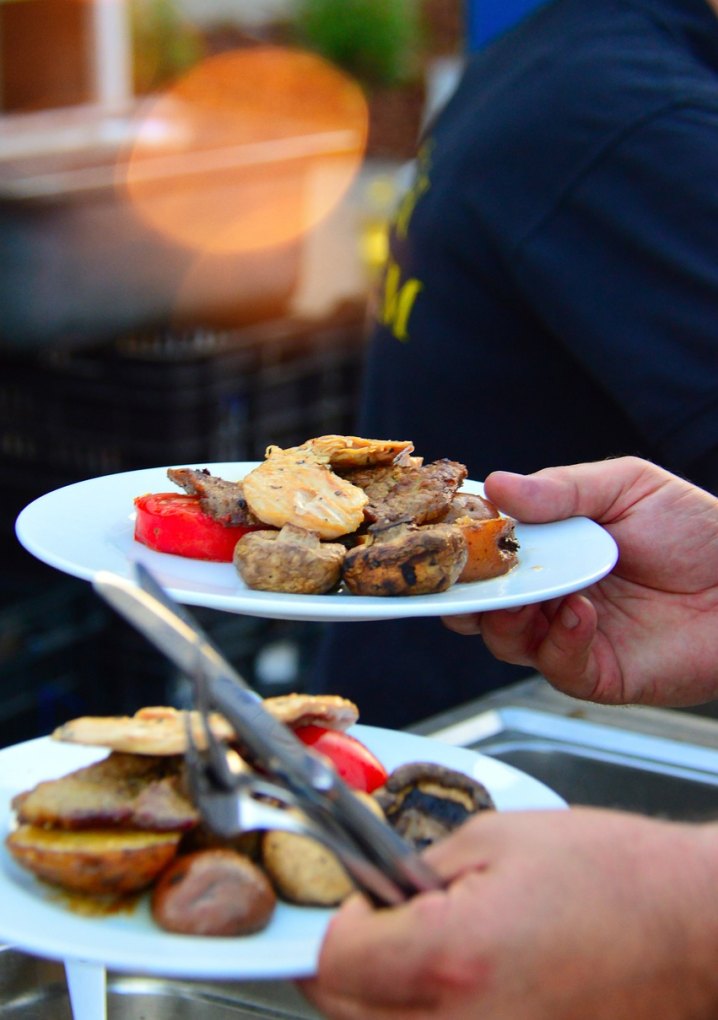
(196, 773)
(215, 753)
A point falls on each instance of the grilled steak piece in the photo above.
(417, 493)
(125, 791)
(221, 500)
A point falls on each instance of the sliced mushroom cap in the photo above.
(424, 802)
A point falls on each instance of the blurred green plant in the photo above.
(164, 44)
(377, 41)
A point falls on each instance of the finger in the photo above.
(359, 942)
(560, 644)
(599, 490)
(514, 635)
(465, 623)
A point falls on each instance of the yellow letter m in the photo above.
(398, 301)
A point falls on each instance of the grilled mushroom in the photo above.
(425, 802)
(403, 559)
(291, 560)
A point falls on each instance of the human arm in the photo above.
(557, 915)
(647, 633)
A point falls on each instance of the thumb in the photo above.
(598, 490)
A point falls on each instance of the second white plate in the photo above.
(35, 919)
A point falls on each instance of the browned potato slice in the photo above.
(492, 546)
(404, 559)
(303, 871)
(97, 861)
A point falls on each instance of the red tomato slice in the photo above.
(354, 762)
(170, 522)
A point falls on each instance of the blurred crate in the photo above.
(273, 656)
(172, 397)
(169, 397)
(50, 667)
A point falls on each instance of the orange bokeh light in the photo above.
(249, 150)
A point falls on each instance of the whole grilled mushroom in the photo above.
(424, 802)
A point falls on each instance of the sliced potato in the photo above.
(97, 861)
(303, 870)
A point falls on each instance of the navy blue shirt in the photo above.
(551, 294)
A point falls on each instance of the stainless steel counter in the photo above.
(35, 989)
(654, 761)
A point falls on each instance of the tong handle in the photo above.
(383, 863)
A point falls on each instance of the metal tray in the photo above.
(652, 761)
(36, 989)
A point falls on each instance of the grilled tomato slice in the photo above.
(171, 522)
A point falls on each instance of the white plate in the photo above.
(34, 919)
(89, 526)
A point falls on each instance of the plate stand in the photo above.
(87, 985)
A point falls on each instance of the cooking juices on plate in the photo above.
(365, 514)
(127, 824)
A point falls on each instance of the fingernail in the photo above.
(569, 619)
(464, 624)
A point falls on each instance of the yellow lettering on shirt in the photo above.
(420, 186)
(398, 300)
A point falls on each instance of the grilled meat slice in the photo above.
(125, 791)
(223, 501)
(418, 493)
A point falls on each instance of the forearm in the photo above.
(695, 897)
(673, 937)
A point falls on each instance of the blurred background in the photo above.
(193, 204)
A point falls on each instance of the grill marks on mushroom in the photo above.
(404, 559)
(424, 802)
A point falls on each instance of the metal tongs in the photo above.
(287, 786)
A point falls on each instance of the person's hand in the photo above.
(647, 633)
(548, 916)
